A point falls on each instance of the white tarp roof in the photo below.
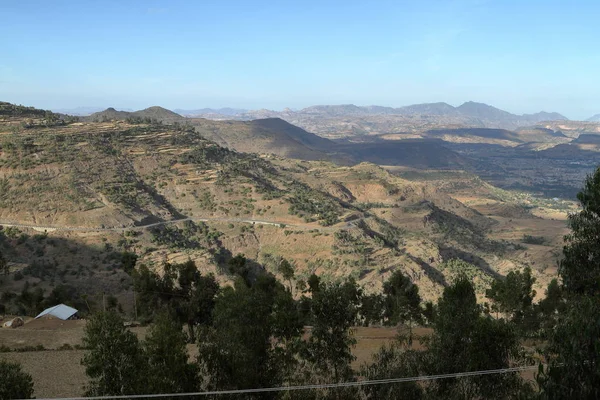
(60, 311)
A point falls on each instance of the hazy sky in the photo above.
(522, 56)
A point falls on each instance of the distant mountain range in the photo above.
(468, 109)
(471, 113)
(349, 120)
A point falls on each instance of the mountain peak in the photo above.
(157, 112)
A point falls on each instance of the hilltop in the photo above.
(594, 118)
(271, 136)
(155, 112)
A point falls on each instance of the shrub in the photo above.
(15, 384)
(529, 239)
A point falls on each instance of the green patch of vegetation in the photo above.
(206, 200)
(313, 205)
(456, 268)
(529, 239)
(346, 243)
(192, 236)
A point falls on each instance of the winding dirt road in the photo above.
(51, 228)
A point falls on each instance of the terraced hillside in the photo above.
(75, 195)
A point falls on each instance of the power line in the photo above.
(310, 387)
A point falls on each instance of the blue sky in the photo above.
(522, 56)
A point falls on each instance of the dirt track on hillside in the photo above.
(174, 221)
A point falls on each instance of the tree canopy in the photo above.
(114, 362)
(574, 349)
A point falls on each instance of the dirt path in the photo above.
(51, 228)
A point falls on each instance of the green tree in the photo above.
(313, 283)
(514, 297)
(286, 269)
(153, 292)
(167, 357)
(238, 265)
(548, 309)
(402, 302)
(334, 308)
(182, 288)
(114, 362)
(128, 261)
(429, 312)
(580, 267)
(574, 350)
(65, 294)
(372, 309)
(574, 354)
(463, 341)
(3, 264)
(193, 297)
(31, 300)
(392, 361)
(250, 342)
(15, 383)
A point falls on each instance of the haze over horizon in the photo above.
(132, 55)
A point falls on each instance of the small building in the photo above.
(60, 311)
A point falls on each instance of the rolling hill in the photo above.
(74, 195)
(266, 136)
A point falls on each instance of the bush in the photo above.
(528, 239)
(15, 384)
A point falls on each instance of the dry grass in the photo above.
(371, 339)
(55, 373)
